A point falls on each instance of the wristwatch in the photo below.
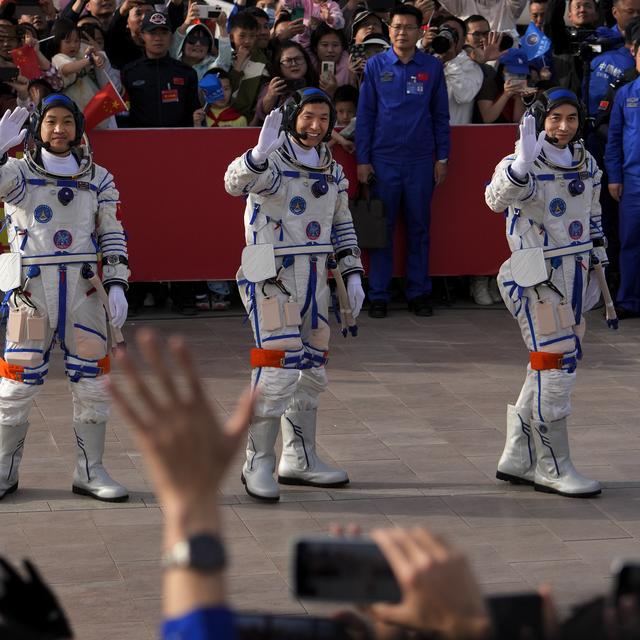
(114, 260)
(203, 552)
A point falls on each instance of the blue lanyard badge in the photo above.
(414, 87)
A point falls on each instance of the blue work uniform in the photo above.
(605, 70)
(622, 160)
(402, 126)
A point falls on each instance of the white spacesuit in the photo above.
(56, 223)
(554, 230)
(297, 209)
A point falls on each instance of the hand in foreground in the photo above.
(440, 593)
(270, 137)
(439, 172)
(187, 448)
(355, 293)
(11, 131)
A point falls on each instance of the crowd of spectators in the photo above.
(159, 56)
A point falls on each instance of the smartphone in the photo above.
(276, 627)
(297, 13)
(295, 84)
(340, 570)
(357, 51)
(328, 68)
(205, 12)
(517, 616)
(8, 73)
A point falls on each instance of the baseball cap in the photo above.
(515, 61)
(155, 20)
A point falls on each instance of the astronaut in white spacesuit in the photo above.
(60, 210)
(550, 189)
(296, 217)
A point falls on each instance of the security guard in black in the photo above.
(163, 92)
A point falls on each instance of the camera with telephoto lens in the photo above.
(587, 44)
(444, 39)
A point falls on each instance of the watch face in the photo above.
(113, 260)
(355, 252)
(207, 553)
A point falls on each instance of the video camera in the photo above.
(587, 43)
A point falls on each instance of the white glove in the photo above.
(11, 131)
(600, 254)
(529, 148)
(270, 137)
(118, 305)
(355, 293)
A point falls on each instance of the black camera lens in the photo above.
(443, 41)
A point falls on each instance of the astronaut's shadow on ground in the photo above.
(26, 495)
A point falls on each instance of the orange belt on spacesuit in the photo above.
(541, 360)
(267, 358)
(11, 371)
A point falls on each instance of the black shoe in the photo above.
(378, 309)
(184, 310)
(421, 306)
(626, 314)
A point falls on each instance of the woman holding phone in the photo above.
(331, 59)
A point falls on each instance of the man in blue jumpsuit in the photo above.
(622, 160)
(402, 127)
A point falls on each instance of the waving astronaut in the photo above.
(296, 218)
(550, 188)
(60, 209)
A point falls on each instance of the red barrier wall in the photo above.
(182, 225)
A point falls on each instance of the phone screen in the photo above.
(297, 13)
(343, 571)
(328, 68)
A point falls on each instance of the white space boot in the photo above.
(555, 472)
(518, 461)
(299, 463)
(90, 478)
(260, 465)
(480, 290)
(11, 448)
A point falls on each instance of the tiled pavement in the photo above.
(414, 412)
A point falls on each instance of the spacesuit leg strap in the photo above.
(542, 361)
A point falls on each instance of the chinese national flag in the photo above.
(107, 102)
(26, 59)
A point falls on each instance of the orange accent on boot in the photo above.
(541, 360)
(11, 371)
(267, 358)
(105, 365)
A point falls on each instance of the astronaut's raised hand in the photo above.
(11, 131)
(118, 305)
(270, 137)
(530, 146)
(355, 293)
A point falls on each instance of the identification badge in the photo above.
(292, 314)
(169, 95)
(270, 314)
(566, 318)
(415, 88)
(544, 317)
(36, 327)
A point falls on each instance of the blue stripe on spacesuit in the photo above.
(112, 233)
(576, 298)
(23, 350)
(62, 303)
(310, 299)
(84, 328)
(107, 200)
(530, 321)
(282, 337)
(342, 224)
(24, 240)
(548, 342)
(20, 188)
(539, 376)
(274, 186)
(254, 215)
(254, 309)
(514, 220)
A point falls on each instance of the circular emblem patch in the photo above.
(543, 428)
(297, 206)
(557, 207)
(313, 230)
(62, 239)
(575, 230)
(532, 39)
(43, 213)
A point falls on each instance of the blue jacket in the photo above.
(403, 110)
(201, 624)
(622, 155)
(605, 70)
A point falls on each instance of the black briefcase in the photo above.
(369, 219)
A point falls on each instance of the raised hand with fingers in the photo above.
(530, 146)
(271, 137)
(11, 131)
